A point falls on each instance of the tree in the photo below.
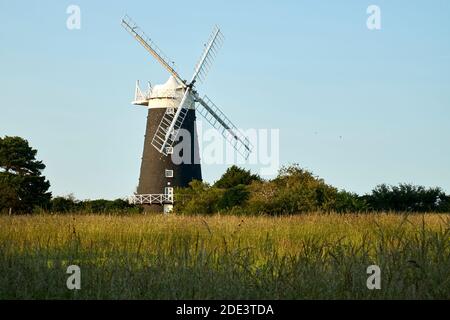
(235, 176)
(444, 204)
(406, 197)
(301, 191)
(233, 197)
(22, 186)
(198, 198)
(107, 206)
(294, 190)
(64, 204)
(349, 202)
(18, 157)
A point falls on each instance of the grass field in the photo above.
(225, 257)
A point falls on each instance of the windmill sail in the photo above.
(213, 45)
(173, 118)
(221, 123)
(167, 131)
(149, 45)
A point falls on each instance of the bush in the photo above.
(64, 204)
(108, 206)
(444, 204)
(347, 202)
(407, 197)
(198, 198)
(70, 204)
(235, 176)
(233, 197)
(294, 190)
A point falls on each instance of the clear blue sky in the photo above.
(357, 107)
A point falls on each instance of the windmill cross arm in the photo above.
(167, 131)
(211, 111)
(220, 122)
(150, 46)
(214, 43)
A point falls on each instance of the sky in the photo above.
(357, 107)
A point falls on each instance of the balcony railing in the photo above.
(151, 199)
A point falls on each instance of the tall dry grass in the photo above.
(225, 257)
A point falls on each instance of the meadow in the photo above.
(309, 256)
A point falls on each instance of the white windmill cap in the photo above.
(166, 95)
(166, 90)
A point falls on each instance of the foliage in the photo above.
(233, 197)
(18, 157)
(347, 202)
(23, 189)
(70, 204)
(198, 198)
(444, 204)
(407, 197)
(64, 204)
(21, 182)
(294, 190)
(106, 206)
(201, 198)
(235, 176)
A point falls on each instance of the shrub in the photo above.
(407, 197)
(444, 204)
(347, 202)
(198, 198)
(235, 176)
(294, 190)
(64, 204)
(107, 206)
(70, 204)
(233, 197)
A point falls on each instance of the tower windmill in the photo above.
(172, 107)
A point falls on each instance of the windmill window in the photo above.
(169, 150)
(169, 173)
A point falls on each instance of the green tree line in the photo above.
(296, 190)
(23, 189)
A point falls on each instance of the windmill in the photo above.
(172, 107)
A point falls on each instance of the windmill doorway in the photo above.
(168, 207)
